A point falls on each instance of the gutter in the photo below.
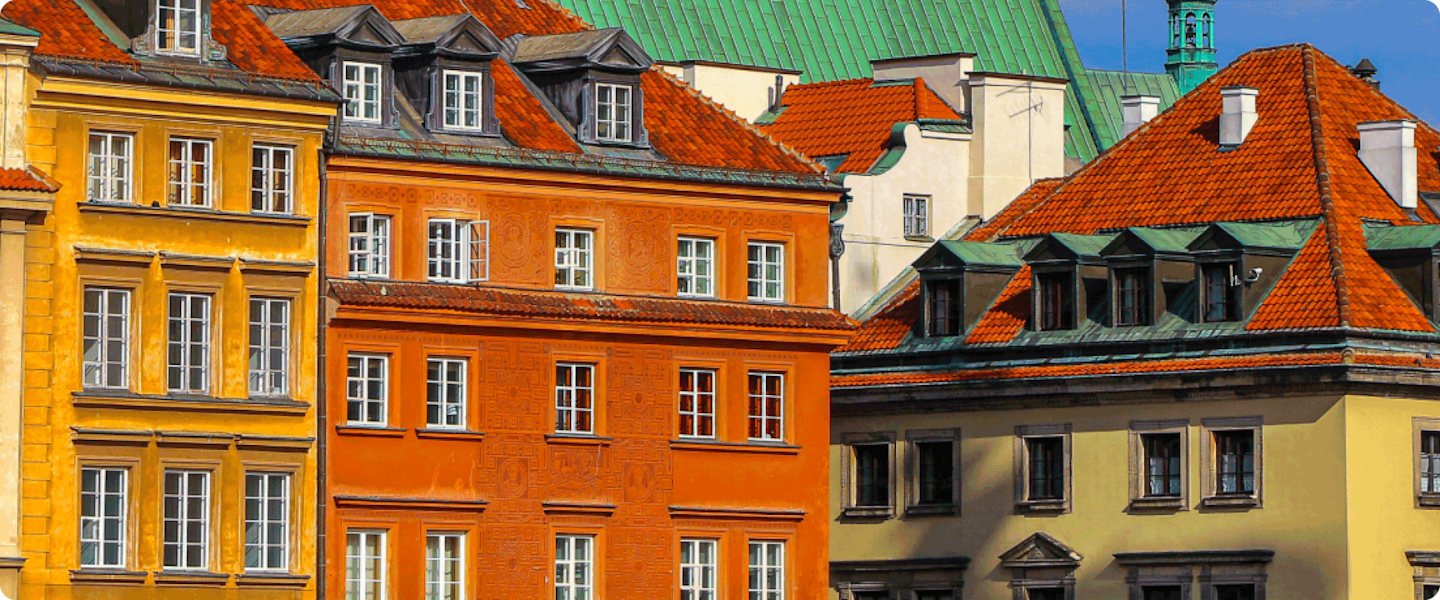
(321, 418)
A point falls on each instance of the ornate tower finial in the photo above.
(1190, 59)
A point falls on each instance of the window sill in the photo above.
(1157, 504)
(932, 510)
(195, 213)
(363, 431)
(275, 580)
(1231, 501)
(868, 512)
(1055, 506)
(1428, 500)
(190, 578)
(118, 398)
(577, 439)
(765, 301)
(93, 575)
(920, 238)
(756, 447)
(449, 434)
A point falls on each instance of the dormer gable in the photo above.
(1068, 247)
(460, 37)
(592, 78)
(1070, 280)
(351, 47)
(609, 50)
(444, 72)
(1237, 264)
(960, 281)
(359, 27)
(170, 29)
(1410, 255)
(1149, 242)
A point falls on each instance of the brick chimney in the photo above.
(1388, 150)
(1237, 114)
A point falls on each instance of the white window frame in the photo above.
(454, 100)
(689, 264)
(694, 397)
(758, 280)
(92, 526)
(357, 584)
(697, 575)
(94, 370)
(353, 88)
(768, 590)
(567, 398)
(269, 370)
(574, 577)
(436, 561)
(369, 250)
(447, 395)
(272, 488)
(174, 29)
(917, 215)
(276, 192)
(110, 173)
(186, 344)
(459, 250)
(363, 381)
(765, 417)
(574, 261)
(614, 118)
(183, 517)
(182, 191)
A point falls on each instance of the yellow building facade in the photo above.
(169, 441)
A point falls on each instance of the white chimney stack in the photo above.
(1388, 149)
(1237, 115)
(1137, 111)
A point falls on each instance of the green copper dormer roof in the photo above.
(1153, 240)
(1288, 236)
(10, 28)
(1404, 237)
(1069, 246)
(970, 254)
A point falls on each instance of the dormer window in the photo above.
(464, 100)
(361, 85)
(942, 307)
(177, 28)
(1056, 293)
(612, 112)
(1132, 297)
(1220, 292)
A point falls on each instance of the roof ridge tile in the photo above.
(1322, 181)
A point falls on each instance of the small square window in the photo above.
(917, 216)
(1057, 301)
(695, 267)
(574, 256)
(612, 112)
(464, 100)
(459, 251)
(361, 85)
(369, 246)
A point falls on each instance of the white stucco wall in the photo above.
(746, 91)
(1019, 127)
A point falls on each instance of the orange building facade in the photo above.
(578, 336)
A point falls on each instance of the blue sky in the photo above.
(1402, 37)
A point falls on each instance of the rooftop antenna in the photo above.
(1124, 52)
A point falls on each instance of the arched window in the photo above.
(1175, 29)
(1190, 29)
(1206, 40)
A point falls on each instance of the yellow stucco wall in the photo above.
(1303, 516)
(152, 251)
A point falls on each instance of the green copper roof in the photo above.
(1167, 239)
(836, 39)
(981, 253)
(1407, 237)
(9, 28)
(1105, 88)
(1285, 235)
(1084, 245)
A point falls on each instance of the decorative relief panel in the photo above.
(515, 389)
(638, 392)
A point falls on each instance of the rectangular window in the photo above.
(1046, 460)
(177, 27)
(269, 347)
(444, 566)
(109, 171)
(459, 250)
(934, 595)
(697, 403)
(1430, 462)
(1244, 591)
(574, 567)
(267, 521)
(367, 390)
(935, 477)
(1235, 462)
(917, 216)
(767, 571)
(766, 272)
(574, 250)
(186, 520)
(103, 498)
(943, 307)
(697, 569)
(1430, 592)
(106, 338)
(574, 398)
(767, 401)
(875, 595)
(369, 246)
(445, 393)
(1046, 594)
(191, 168)
(1132, 297)
(695, 268)
(872, 475)
(189, 344)
(1221, 302)
(272, 179)
(365, 565)
(1163, 458)
(1057, 301)
(361, 85)
(612, 112)
(1161, 592)
(464, 97)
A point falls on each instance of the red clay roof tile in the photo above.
(1110, 368)
(28, 179)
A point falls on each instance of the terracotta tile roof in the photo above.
(65, 30)
(251, 46)
(29, 179)
(852, 117)
(590, 307)
(888, 328)
(1109, 368)
(525, 120)
(1008, 316)
(1299, 161)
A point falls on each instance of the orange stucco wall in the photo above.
(635, 486)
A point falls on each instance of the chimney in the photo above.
(1137, 111)
(1366, 71)
(1388, 150)
(1237, 115)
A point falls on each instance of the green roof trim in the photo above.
(1169, 239)
(11, 28)
(1282, 235)
(1084, 245)
(1403, 237)
(983, 253)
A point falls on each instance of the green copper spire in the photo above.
(1191, 56)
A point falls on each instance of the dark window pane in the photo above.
(934, 595)
(1220, 293)
(1162, 464)
(1430, 463)
(872, 475)
(1057, 301)
(936, 465)
(1132, 297)
(944, 310)
(1162, 592)
(1235, 592)
(1047, 468)
(1046, 593)
(1235, 462)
